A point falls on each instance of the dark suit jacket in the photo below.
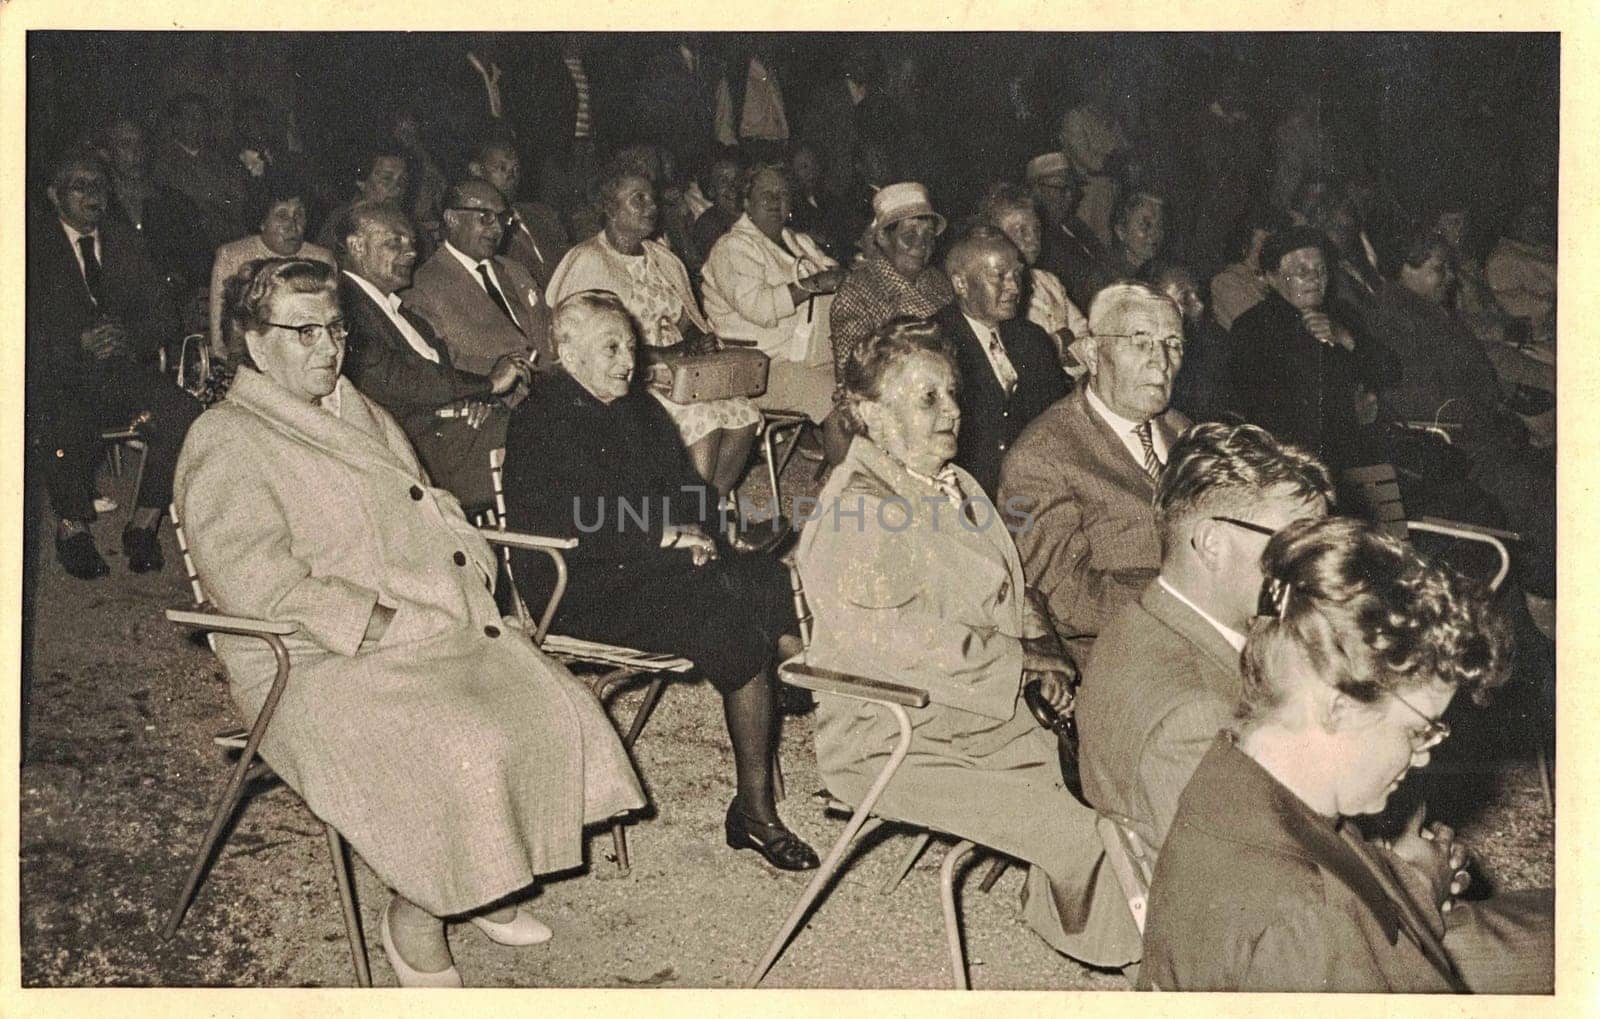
(411, 388)
(1072, 253)
(1091, 545)
(676, 107)
(467, 321)
(991, 420)
(59, 307)
(1159, 686)
(537, 242)
(1255, 892)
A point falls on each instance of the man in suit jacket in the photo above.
(452, 418)
(481, 306)
(95, 318)
(1071, 250)
(1083, 474)
(534, 237)
(1164, 676)
(1009, 370)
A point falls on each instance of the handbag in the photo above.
(714, 375)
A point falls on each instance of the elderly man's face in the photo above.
(989, 285)
(599, 355)
(909, 244)
(475, 224)
(308, 368)
(502, 168)
(383, 252)
(388, 180)
(1022, 227)
(1136, 357)
(1301, 278)
(127, 149)
(80, 197)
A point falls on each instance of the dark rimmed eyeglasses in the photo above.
(1434, 731)
(1248, 525)
(485, 216)
(310, 331)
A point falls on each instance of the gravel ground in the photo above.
(121, 775)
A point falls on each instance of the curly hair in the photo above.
(1371, 616)
(870, 360)
(247, 295)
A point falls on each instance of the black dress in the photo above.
(612, 476)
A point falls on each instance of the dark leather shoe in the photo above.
(142, 546)
(781, 847)
(764, 536)
(79, 557)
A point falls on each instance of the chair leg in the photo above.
(952, 919)
(640, 717)
(918, 844)
(997, 868)
(116, 460)
(138, 475)
(219, 820)
(858, 827)
(771, 456)
(1544, 779)
(347, 900)
(619, 846)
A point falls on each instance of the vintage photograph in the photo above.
(1023, 510)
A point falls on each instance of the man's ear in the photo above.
(52, 193)
(1208, 543)
(958, 283)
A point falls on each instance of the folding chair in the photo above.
(1131, 860)
(620, 664)
(1379, 490)
(248, 768)
(895, 699)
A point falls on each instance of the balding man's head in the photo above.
(378, 243)
(474, 218)
(985, 271)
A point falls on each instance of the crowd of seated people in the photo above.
(1034, 351)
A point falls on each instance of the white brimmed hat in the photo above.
(1049, 164)
(895, 202)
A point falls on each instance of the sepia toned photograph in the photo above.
(905, 510)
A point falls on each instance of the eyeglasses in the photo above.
(1318, 275)
(1148, 344)
(1434, 730)
(93, 187)
(309, 332)
(485, 216)
(1247, 525)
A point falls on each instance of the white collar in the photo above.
(982, 330)
(1119, 424)
(466, 260)
(1234, 638)
(73, 233)
(390, 301)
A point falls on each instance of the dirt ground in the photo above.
(121, 774)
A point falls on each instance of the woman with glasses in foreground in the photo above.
(458, 760)
(1263, 883)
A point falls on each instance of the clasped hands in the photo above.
(508, 372)
(105, 340)
(1326, 331)
(1436, 855)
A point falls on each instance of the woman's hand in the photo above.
(1056, 687)
(1434, 852)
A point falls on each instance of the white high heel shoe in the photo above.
(522, 929)
(407, 976)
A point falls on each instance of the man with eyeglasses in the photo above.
(1008, 366)
(482, 306)
(1164, 676)
(95, 319)
(1077, 485)
(1071, 250)
(452, 417)
(1297, 371)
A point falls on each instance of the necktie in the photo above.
(494, 293)
(1002, 364)
(1152, 466)
(91, 270)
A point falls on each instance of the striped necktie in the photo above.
(1152, 465)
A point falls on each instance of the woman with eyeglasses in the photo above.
(654, 286)
(459, 761)
(1264, 882)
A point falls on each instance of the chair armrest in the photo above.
(231, 624)
(1461, 529)
(531, 542)
(729, 341)
(809, 677)
(1440, 429)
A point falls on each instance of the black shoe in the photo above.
(764, 536)
(809, 445)
(781, 847)
(142, 546)
(79, 557)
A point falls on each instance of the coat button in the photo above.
(460, 558)
(416, 493)
(491, 631)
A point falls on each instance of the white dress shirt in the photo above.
(1127, 430)
(999, 361)
(77, 252)
(390, 303)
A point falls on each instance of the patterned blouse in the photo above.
(876, 293)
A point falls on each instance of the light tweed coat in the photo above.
(456, 758)
(910, 593)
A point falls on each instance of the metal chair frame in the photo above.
(1131, 860)
(895, 699)
(248, 767)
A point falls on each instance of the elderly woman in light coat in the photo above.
(912, 578)
(774, 286)
(458, 760)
